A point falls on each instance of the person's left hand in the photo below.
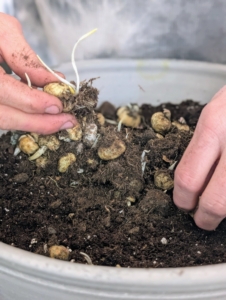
(22, 108)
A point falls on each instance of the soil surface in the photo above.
(107, 209)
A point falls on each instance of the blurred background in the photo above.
(181, 29)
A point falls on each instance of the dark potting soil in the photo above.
(107, 209)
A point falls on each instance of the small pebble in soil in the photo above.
(21, 178)
(59, 252)
(164, 241)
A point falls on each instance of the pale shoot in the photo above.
(71, 86)
(73, 56)
(143, 161)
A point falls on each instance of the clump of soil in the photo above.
(112, 210)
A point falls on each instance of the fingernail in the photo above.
(67, 125)
(52, 110)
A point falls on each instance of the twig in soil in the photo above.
(73, 56)
(87, 258)
(143, 162)
(107, 209)
(28, 81)
(54, 182)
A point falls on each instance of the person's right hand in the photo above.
(22, 108)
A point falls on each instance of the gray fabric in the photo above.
(180, 29)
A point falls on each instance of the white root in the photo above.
(119, 126)
(87, 258)
(58, 77)
(127, 134)
(38, 153)
(143, 162)
(111, 121)
(73, 56)
(96, 140)
(28, 81)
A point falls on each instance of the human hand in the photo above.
(200, 178)
(22, 108)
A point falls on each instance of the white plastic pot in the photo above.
(28, 276)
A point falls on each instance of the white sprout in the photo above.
(143, 162)
(73, 56)
(182, 120)
(111, 121)
(73, 183)
(127, 134)
(87, 258)
(119, 126)
(80, 171)
(38, 153)
(16, 151)
(28, 80)
(96, 140)
(57, 76)
(65, 139)
(171, 168)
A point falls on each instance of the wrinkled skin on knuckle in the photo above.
(214, 206)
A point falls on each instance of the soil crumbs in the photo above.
(107, 209)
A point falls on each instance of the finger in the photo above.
(13, 119)
(19, 55)
(212, 204)
(195, 166)
(19, 95)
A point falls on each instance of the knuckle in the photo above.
(185, 181)
(216, 206)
